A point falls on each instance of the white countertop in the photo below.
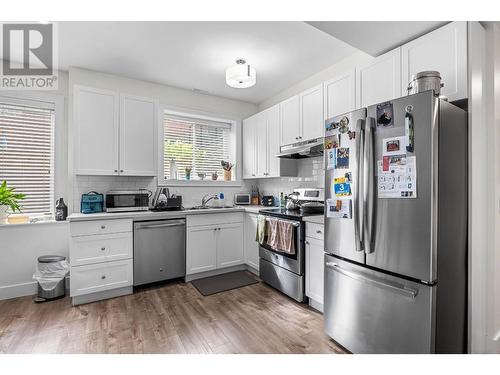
(317, 219)
(153, 215)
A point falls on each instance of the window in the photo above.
(27, 151)
(197, 143)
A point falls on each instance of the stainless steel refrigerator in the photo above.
(396, 227)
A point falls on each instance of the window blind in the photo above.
(27, 153)
(195, 143)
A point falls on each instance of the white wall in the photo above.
(171, 97)
(21, 245)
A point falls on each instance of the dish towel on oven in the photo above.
(285, 237)
(272, 233)
(261, 229)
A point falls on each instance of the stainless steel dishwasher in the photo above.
(159, 250)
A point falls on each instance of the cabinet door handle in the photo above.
(307, 242)
(103, 277)
(103, 226)
(318, 231)
(103, 248)
(116, 170)
(121, 170)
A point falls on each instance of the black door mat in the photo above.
(221, 283)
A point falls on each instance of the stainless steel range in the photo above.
(283, 270)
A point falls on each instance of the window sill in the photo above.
(47, 222)
(199, 183)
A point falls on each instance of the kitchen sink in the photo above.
(208, 208)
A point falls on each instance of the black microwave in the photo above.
(127, 200)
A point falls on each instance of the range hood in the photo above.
(301, 150)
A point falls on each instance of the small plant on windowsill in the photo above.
(8, 199)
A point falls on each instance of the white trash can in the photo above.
(50, 273)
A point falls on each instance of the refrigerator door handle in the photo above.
(358, 209)
(392, 286)
(368, 184)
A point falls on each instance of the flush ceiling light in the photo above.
(241, 75)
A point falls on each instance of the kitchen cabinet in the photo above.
(290, 120)
(114, 133)
(96, 131)
(249, 142)
(340, 94)
(216, 245)
(261, 143)
(314, 270)
(101, 259)
(379, 80)
(302, 116)
(251, 245)
(138, 130)
(311, 113)
(201, 249)
(443, 50)
(230, 245)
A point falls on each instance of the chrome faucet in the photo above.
(205, 200)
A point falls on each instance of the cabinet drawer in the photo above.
(213, 219)
(91, 227)
(102, 276)
(314, 230)
(100, 248)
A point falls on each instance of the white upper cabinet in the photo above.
(262, 140)
(261, 143)
(138, 130)
(379, 80)
(249, 142)
(290, 120)
(114, 134)
(311, 113)
(276, 167)
(443, 50)
(339, 94)
(96, 129)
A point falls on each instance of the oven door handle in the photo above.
(294, 223)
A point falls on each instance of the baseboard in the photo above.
(220, 271)
(18, 290)
(316, 305)
(87, 298)
(24, 289)
(252, 270)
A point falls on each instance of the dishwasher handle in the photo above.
(166, 224)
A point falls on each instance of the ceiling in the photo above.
(194, 55)
(375, 37)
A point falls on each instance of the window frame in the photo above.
(236, 148)
(57, 101)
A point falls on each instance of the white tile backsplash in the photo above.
(310, 173)
(191, 195)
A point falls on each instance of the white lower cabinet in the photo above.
(100, 277)
(101, 259)
(214, 246)
(251, 245)
(315, 269)
(201, 249)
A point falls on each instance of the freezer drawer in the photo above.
(369, 312)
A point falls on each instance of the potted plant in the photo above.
(8, 199)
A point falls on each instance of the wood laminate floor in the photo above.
(173, 318)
